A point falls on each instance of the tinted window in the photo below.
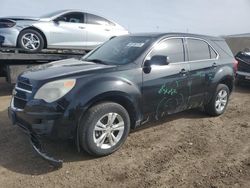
(120, 50)
(173, 48)
(93, 19)
(198, 50)
(76, 17)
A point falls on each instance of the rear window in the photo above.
(97, 20)
(224, 47)
(198, 50)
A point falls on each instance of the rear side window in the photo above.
(97, 20)
(172, 48)
(198, 50)
(213, 54)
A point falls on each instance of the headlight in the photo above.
(52, 91)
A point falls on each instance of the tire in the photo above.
(217, 101)
(92, 136)
(31, 40)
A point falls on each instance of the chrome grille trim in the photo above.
(24, 90)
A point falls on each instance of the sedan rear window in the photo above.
(97, 20)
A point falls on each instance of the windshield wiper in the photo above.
(96, 61)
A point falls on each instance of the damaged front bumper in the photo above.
(34, 138)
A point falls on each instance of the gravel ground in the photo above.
(188, 149)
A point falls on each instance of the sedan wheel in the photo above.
(30, 41)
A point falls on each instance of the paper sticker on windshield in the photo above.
(135, 44)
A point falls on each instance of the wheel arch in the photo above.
(36, 29)
(117, 97)
(228, 81)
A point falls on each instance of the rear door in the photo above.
(165, 87)
(68, 31)
(98, 30)
(203, 65)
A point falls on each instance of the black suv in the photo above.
(124, 83)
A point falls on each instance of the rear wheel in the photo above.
(218, 103)
(31, 40)
(104, 128)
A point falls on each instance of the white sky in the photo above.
(214, 17)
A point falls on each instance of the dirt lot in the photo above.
(190, 149)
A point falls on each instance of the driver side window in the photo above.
(75, 17)
(172, 48)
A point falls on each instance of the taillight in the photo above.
(235, 64)
(6, 23)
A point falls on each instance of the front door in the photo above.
(68, 31)
(165, 87)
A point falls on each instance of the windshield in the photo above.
(120, 50)
(52, 14)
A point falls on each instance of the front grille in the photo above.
(22, 92)
(19, 103)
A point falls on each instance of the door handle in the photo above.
(183, 72)
(214, 65)
(81, 27)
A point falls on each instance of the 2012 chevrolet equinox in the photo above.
(120, 85)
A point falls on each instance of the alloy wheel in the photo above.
(108, 131)
(30, 41)
(221, 100)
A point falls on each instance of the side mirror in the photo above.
(155, 60)
(159, 60)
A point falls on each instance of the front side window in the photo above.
(97, 20)
(75, 17)
(172, 48)
(199, 50)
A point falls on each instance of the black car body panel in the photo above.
(243, 73)
(1, 40)
(145, 93)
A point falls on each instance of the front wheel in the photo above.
(104, 128)
(218, 103)
(31, 40)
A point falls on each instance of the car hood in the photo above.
(64, 68)
(21, 18)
